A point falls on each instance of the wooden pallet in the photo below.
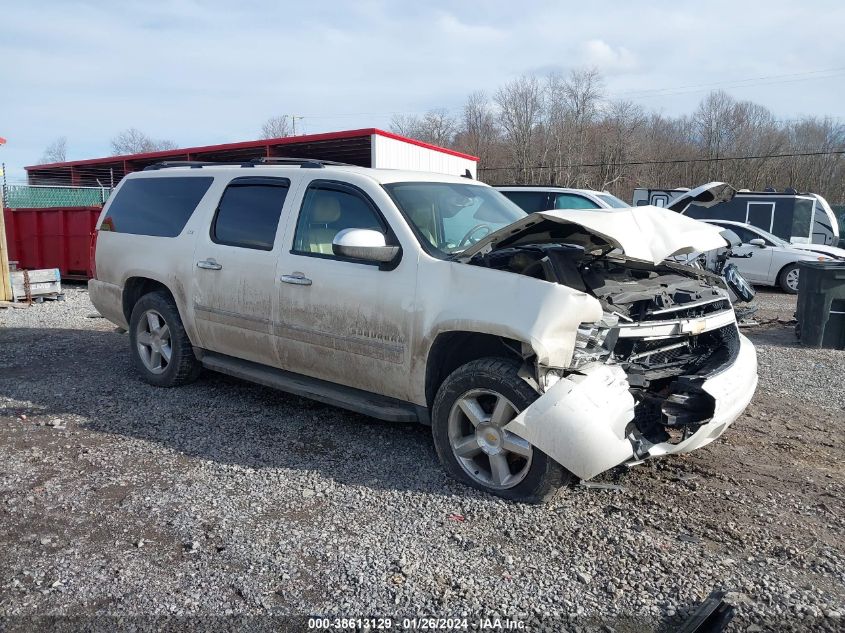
(36, 285)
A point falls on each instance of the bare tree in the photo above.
(276, 127)
(438, 127)
(405, 124)
(520, 116)
(572, 106)
(616, 143)
(435, 126)
(56, 151)
(133, 141)
(478, 133)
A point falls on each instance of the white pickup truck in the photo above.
(538, 347)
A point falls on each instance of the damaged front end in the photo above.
(665, 370)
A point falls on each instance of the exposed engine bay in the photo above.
(668, 326)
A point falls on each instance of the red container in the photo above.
(56, 237)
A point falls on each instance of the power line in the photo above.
(735, 83)
(673, 161)
(765, 80)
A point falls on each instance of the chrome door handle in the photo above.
(298, 279)
(209, 264)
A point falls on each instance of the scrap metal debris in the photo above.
(712, 616)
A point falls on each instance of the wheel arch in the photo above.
(136, 287)
(454, 348)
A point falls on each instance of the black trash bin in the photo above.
(821, 304)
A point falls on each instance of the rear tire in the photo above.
(159, 346)
(788, 279)
(470, 409)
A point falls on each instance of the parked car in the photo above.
(531, 198)
(795, 217)
(767, 260)
(534, 353)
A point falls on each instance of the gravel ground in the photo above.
(223, 497)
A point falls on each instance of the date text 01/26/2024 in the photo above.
(413, 624)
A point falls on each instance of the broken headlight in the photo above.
(594, 341)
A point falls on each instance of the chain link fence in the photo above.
(46, 196)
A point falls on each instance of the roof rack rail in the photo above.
(193, 164)
(312, 163)
(304, 163)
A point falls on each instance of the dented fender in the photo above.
(456, 297)
(580, 421)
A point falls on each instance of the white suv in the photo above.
(537, 346)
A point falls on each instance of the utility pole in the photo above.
(5, 279)
(293, 119)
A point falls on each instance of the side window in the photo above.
(248, 213)
(160, 207)
(801, 219)
(744, 234)
(529, 201)
(572, 201)
(328, 209)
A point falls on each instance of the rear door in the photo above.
(234, 269)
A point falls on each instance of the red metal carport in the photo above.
(59, 237)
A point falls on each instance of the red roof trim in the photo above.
(287, 140)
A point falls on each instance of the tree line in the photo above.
(564, 130)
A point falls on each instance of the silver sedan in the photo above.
(773, 261)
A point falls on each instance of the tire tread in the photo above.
(552, 476)
(187, 366)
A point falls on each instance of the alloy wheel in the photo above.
(152, 336)
(792, 279)
(490, 455)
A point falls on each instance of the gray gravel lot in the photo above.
(229, 498)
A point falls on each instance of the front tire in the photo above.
(159, 346)
(788, 279)
(470, 411)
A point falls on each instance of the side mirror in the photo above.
(758, 241)
(364, 244)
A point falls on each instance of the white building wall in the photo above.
(390, 153)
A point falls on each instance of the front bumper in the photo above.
(582, 422)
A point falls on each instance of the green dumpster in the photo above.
(821, 304)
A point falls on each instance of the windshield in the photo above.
(452, 216)
(613, 201)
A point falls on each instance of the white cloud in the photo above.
(609, 59)
(454, 27)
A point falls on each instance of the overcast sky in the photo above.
(209, 72)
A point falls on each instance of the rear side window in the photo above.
(529, 201)
(248, 213)
(155, 206)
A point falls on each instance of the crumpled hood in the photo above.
(647, 234)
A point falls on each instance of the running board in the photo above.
(371, 404)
